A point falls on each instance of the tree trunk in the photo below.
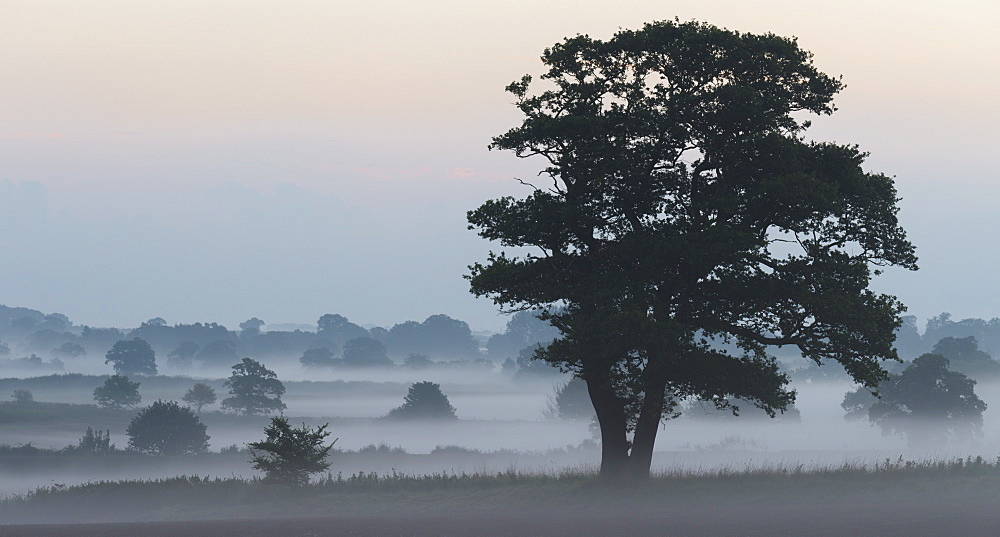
(614, 441)
(646, 427)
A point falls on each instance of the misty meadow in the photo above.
(700, 329)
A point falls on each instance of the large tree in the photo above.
(685, 224)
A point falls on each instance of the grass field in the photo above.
(968, 482)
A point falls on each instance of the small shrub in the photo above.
(199, 395)
(289, 455)
(382, 449)
(93, 442)
(424, 401)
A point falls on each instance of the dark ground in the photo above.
(955, 509)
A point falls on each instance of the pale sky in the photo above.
(217, 160)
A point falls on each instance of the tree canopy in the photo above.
(199, 395)
(684, 224)
(253, 389)
(132, 357)
(928, 403)
(290, 455)
(167, 429)
(118, 392)
(424, 401)
(365, 352)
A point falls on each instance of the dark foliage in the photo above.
(424, 401)
(118, 392)
(290, 455)
(571, 401)
(132, 357)
(183, 356)
(199, 395)
(253, 389)
(686, 225)
(93, 443)
(439, 336)
(927, 403)
(322, 357)
(167, 429)
(365, 352)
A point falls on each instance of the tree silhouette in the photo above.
(424, 401)
(199, 395)
(365, 352)
(132, 357)
(685, 225)
(118, 392)
(253, 389)
(927, 403)
(167, 429)
(289, 455)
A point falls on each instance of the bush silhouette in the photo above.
(289, 455)
(424, 401)
(118, 392)
(167, 429)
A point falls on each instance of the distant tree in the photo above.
(70, 349)
(338, 329)
(100, 338)
(965, 349)
(4, 349)
(251, 327)
(379, 334)
(22, 395)
(909, 344)
(322, 357)
(418, 361)
(439, 336)
(24, 324)
(253, 389)
(167, 429)
(132, 357)
(288, 455)
(927, 403)
(571, 401)
(200, 395)
(118, 392)
(424, 401)
(218, 353)
(365, 352)
(856, 404)
(524, 329)
(93, 442)
(156, 321)
(528, 367)
(183, 356)
(965, 357)
(56, 322)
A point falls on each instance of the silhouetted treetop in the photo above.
(684, 224)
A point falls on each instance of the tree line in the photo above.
(335, 342)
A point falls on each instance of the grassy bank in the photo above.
(398, 495)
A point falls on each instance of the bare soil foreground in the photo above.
(905, 503)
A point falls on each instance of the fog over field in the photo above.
(584, 264)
